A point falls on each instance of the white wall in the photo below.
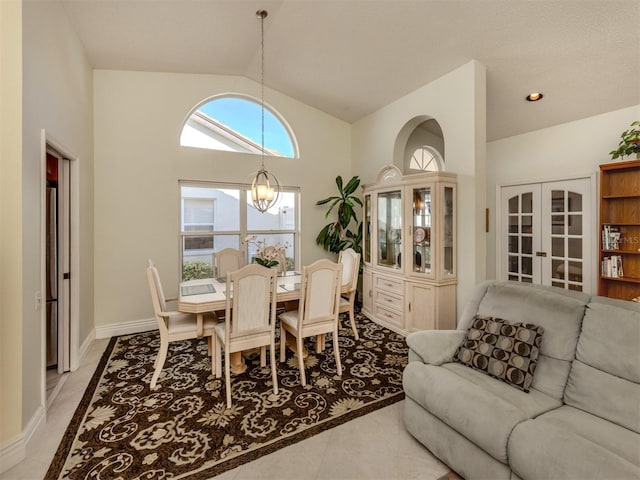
(57, 94)
(138, 162)
(457, 101)
(565, 151)
(11, 225)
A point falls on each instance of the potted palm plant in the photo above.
(630, 142)
(337, 235)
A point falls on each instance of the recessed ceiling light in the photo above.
(534, 97)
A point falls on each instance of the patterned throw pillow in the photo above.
(507, 351)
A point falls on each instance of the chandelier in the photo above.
(265, 188)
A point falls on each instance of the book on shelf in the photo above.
(610, 237)
(612, 267)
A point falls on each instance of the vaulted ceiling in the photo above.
(351, 57)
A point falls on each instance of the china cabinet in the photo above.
(409, 245)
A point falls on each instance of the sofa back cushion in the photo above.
(605, 377)
(556, 310)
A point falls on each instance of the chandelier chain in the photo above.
(262, 15)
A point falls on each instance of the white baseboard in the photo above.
(86, 345)
(126, 328)
(15, 451)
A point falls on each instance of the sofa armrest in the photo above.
(434, 346)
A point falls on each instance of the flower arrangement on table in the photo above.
(266, 256)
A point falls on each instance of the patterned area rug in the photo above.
(122, 429)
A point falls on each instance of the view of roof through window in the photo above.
(233, 124)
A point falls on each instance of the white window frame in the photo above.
(243, 231)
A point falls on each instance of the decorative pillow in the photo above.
(505, 350)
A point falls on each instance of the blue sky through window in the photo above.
(244, 116)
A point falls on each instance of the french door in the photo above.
(546, 234)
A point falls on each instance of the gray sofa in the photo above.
(581, 417)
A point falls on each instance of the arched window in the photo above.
(233, 123)
(426, 158)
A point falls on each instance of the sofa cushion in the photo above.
(570, 443)
(557, 310)
(477, 406)
(505, 350)
(604, 377)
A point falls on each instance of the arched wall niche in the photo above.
(418, 132)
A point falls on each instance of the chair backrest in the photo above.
(251, 301)
(227, 260)
(320, 292)
(155, 287)
(350, 261)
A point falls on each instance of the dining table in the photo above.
(209, 295)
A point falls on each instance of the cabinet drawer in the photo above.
(389, 284)
(389, 316)
(389, 301)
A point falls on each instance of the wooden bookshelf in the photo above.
(620, 215)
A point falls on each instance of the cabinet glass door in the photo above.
(367, 229)
(449, 233)
(421, 230)
(390, 229)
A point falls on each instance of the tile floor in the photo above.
(375, 446)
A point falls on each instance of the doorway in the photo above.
(546, 234)
(57, 268)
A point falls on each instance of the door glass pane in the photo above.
(527, 245)
(557, 269)
(557, 247)
(527, 224)
(527, 202)
(513, 205)
(577, 288)
(513, 264)
(575, 247)
(514, 224)
(575, 271)
(557, 224)
(513, 244)
(527, 267)
(557, 200)
(575, 224)
(575, 202)
(527, 280)
(390, 229)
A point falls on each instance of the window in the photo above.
(234, 123)
(427, 159)
(216, 216)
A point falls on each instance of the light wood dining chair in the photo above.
(317, 312)
(350, 261)
(227, 260)
(172, 325)
(250, 319)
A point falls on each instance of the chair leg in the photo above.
(303, 378)
(353, 323)
(274, 372)
(283, 344)
(209, 350)
(218, 354)
(227, 374)
(159, 363)
(263, 356)
(336, 351)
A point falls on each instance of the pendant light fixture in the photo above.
(265, 188)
